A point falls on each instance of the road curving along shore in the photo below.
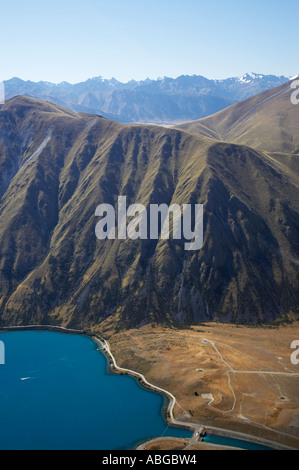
(104, 345)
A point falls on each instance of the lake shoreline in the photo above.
(169, 418)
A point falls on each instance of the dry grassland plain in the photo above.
(231, 377)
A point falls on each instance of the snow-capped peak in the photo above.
(248, 77)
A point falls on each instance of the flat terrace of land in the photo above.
(224, 376)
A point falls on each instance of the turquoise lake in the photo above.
(56, 392)
(224, 441)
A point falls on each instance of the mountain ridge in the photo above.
(161, 101)
(269, 121)
(62, 165)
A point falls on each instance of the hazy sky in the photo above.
(72, 40)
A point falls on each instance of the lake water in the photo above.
(225, 441)
(56, 393)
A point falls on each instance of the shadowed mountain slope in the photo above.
(58, 166)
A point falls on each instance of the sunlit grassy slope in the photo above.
(268, 121)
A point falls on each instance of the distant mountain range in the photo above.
(163, 101)
(57, 166)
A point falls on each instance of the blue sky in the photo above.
(72, 40)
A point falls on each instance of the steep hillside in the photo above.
(58, 166)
